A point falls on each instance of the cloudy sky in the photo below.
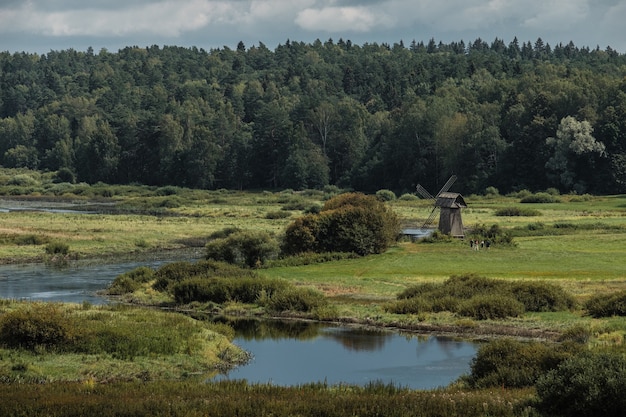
(43, 25)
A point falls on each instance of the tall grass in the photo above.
(237, 398)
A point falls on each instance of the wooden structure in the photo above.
(450, 221)
(449, 205)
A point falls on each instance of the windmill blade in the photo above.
(431, 218)
(447, 185)
(423, 192)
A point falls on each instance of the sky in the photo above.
(39, 26)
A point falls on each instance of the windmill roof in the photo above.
(450, 200)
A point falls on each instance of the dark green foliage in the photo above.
(246, 248)
(36, 326)
(491, 307)
(221, 290)
(517, 211)
(130, 281)
(494, 234)
(482, 298)
(296, 299)
(276, 215)
(251, 118)
(223, 233)
(65, 175)
(512, 364)
(540, 198)
(587, 385)
(350, 222)
(542, 296)
(172, 273)
(309, 258)
(57, 248)
(30, 239)
(385, 195)
(607, 305)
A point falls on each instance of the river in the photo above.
(286, 354)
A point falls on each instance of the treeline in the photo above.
(368, 117)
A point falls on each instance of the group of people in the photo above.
(476, 245)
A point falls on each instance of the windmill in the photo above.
(449, 205)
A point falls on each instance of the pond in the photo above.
(283, 353)
(296, 353)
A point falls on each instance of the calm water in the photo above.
(308, 353)
(79, 282)
(284, 353)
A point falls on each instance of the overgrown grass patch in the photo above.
(81, 341)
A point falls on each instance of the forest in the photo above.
(366, 117)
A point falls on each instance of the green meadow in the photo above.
(576, 242)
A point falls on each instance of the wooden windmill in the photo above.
(449, 205)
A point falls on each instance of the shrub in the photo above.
(57, 248)
(23, 180)
(490, 307)
(517, 211)
(540, 198)
(22, 240)
(36, 325)
(413, 305)
(295, 204)
(408, 197)
(513, 364)
(607, 305)
(170, 274)
(131, 281)
(542, 296)
(296, 299)
(251, 248)
(65, 175)
(590, 384)
(220, 234)
(385, 195)
(350, 222)
(275, 215)
(221, 290)
(491, 192)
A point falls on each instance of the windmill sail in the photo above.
(425, 194)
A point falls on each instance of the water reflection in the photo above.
(295, 353)
(79, 282)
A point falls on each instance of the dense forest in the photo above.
(367, 117)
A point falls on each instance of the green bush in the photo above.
(413, 305)
(296, 299)
(587, 385)
(350, 222)
(130, 281)
(65, 175)
(542, 296)
(23, 180)
(172, 273)
(57, 248)
(23, 240)
(517, 211)
(607, 305)
(34, 326)
(540, 198)
(275, 215)
(510, 363)
(221, 234)
(492, 192)
(222, 290)
(250, 248)
(408, 197)
(491, 307)
(385, 195)
(482, 298)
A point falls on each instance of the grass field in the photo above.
(578, 243)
